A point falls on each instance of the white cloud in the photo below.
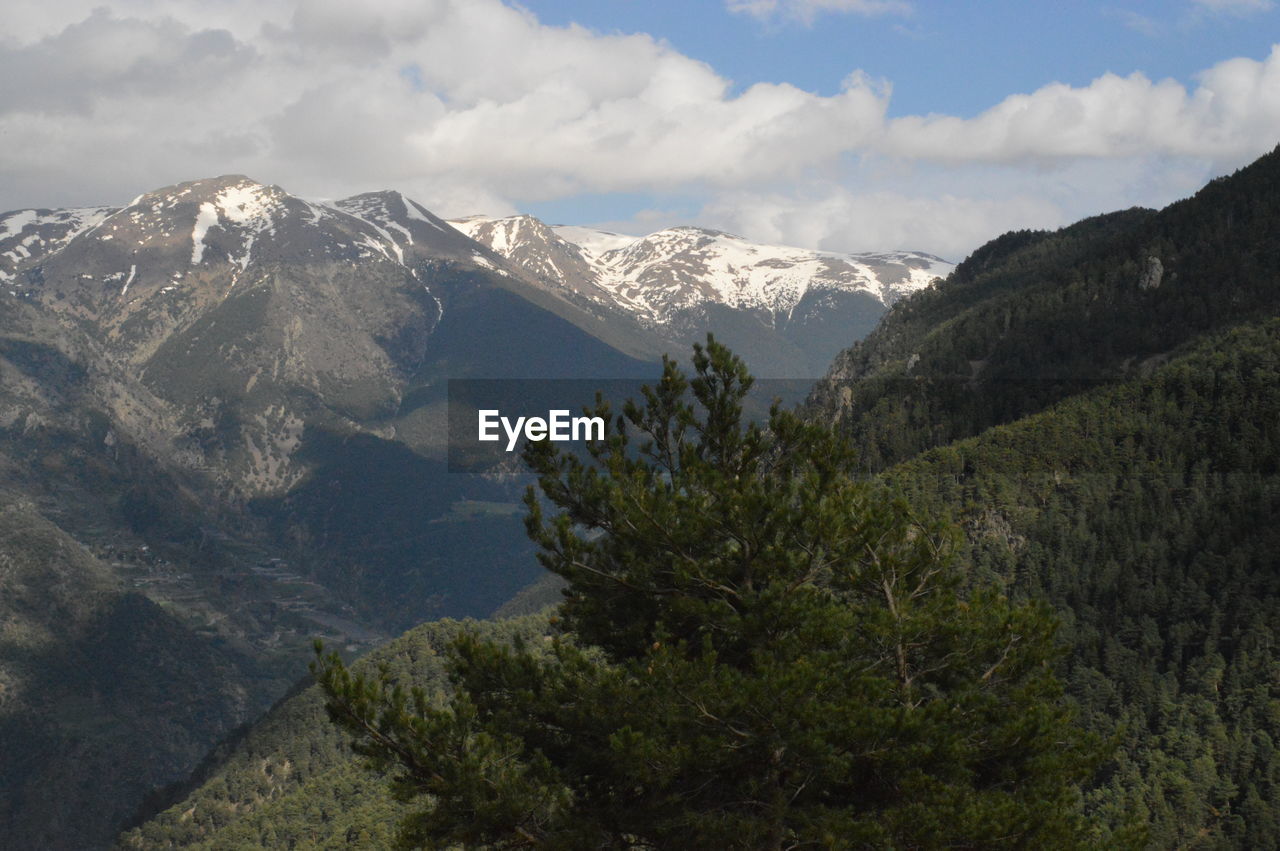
(1235, 7)
(946, 209)
(1233, 113)
(320, 99)
(808, 10)
(844, 220)
(472, 105)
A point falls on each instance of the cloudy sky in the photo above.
(839, 124)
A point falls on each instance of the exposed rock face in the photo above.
(235, 301)
(1152, 274)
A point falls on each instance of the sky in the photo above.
(845, 125)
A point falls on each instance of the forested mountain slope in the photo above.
(1145, 512)
(103, 694)
(1135, 360)
(1033, 317)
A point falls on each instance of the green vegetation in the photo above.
(1034, 318)
(1146, 513)
(755, 651)
(1134, 485)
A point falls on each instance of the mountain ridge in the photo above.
(678, 267)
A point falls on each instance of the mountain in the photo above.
(227, 406)
(222, 410)
(113, 677)
(256, 316)
(1096, 408)
(278, 356)
(1035, 316)
(1146, 512)
(25, 234)
(104, 694)
(785, 310)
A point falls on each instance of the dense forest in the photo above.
(1145, 513)
(1143, 506)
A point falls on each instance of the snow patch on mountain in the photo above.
(249, 204)
(28, 236)
(206, 217)
(15, 223)
(416, 211)
(52, 226)
(594, 242)
(253, 208)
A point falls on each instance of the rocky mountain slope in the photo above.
(221, 409)
(104, 694)
(235, 300)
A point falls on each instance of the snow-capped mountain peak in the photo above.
(162, 242)
(407, 224)
(678, 268)
(536, 248)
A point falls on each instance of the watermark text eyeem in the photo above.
(557, 426)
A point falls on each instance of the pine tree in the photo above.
(756, 650)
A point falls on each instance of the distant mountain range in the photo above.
(783, 308)
(788, 310)
(672, 270)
